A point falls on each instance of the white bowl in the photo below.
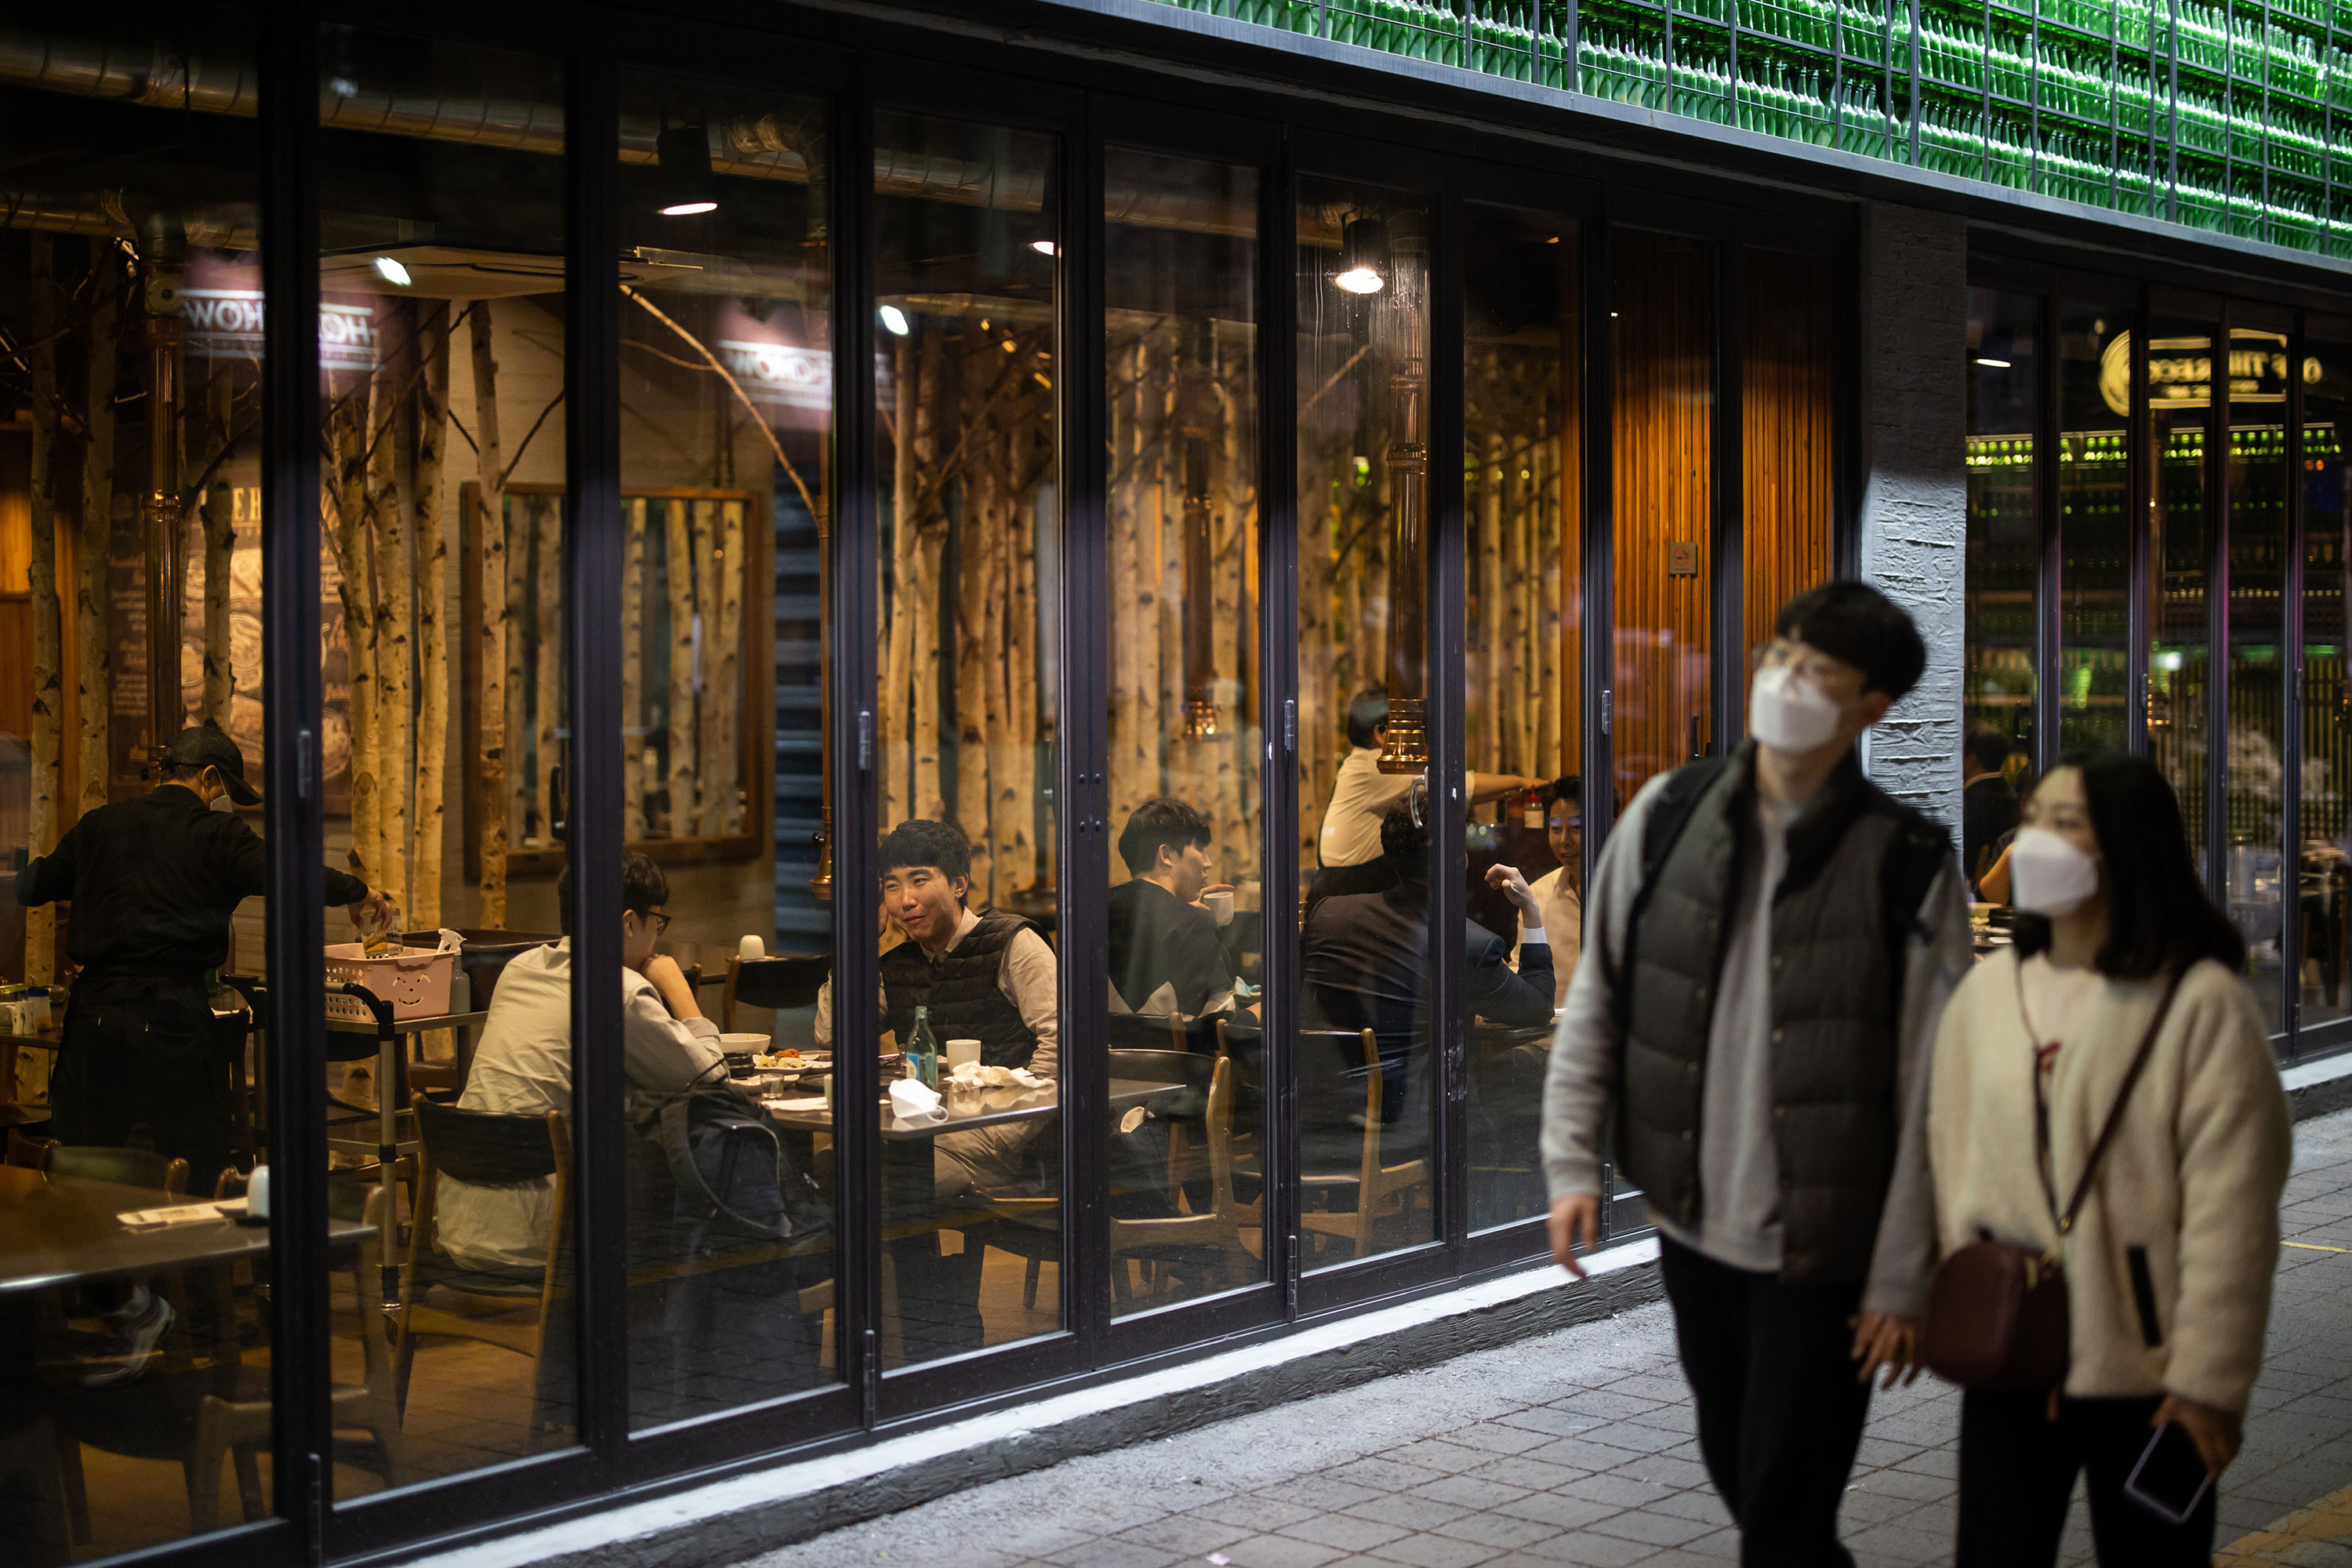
(756, 1044)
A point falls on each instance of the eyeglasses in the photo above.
(661, 922)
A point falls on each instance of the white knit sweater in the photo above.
(2182, 1221)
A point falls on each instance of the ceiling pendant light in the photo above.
(1363, 257)
(687, 186)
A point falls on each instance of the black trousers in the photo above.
(140, 1054)
(1780, 1409)
(2017, 1476)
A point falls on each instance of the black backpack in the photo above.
(734, 1175)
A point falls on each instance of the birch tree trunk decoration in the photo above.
(633, 675)
(926, 799)
(702, 573)
(347, 426)
(968, 615)
(93, 544)
(680, 572)
(1021, 679)
(548, 560)
(394, 614)
(490, 705)
(217, 513)
(48, 617)
(730, 684)
(520, 523)
(899, 642)
(1131, 761)
(1228, 546)
(432, 600)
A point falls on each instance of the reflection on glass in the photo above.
(1363, 411)
(1664, 331)
(441, 371)
(2180, 371)
(2326, 897)
(1187, 926)
(1522, 432)
(2094, 349)
(129, 544)
(725, 415)
(2258, 481)
(965, 249)
(2003, 557)
(1788, 423)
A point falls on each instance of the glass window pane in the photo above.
(2258, 480)
(1187, 923)
(725, 421)
(2326, 854)
(2180, 373)
(1664, 301)
(2094, 350)
(1787, 422)
(131, 607)
(1364, 1053)
(1523, 412)
(441, 371)
(965, 265)
(2004, 567)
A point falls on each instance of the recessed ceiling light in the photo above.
(392, 272)
(1993, 363)
(688, 209)
(1044, 248)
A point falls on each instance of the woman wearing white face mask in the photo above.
(2119, 1005)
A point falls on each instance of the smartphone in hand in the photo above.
(2170, 1478)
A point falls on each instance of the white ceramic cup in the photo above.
(1221, 907)
(961, 1051)
(257, 1192)
(751, 950)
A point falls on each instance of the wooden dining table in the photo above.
(60, 1233)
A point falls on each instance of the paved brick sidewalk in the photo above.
(1577, 1449)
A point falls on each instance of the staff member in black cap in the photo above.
(154, 882)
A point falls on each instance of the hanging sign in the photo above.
(2180, 371)
(224, 311)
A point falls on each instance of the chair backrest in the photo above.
(483, 1147)
(781, 983)
(1161, 1066)
(125, 1167)
(1338, 1072)
(1143, 1032)
(28, 1153)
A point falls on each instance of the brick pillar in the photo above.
(1915, 498)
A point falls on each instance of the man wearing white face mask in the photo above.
(1770, 941)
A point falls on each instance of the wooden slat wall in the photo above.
(1664, 377)
(1786, 414)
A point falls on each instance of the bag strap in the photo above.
(2116, 1115)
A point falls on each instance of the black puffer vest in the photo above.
(960, 989)
(1836, 988)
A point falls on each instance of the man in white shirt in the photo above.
(523, 1065)
(1350, 844)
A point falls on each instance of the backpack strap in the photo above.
(1669, 814)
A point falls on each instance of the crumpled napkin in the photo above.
(981, 1075)
(915, 1105)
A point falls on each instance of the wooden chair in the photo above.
(124, 1167)
(1216, 1231)
(1374, 1182)
(234, 1424)
(497, 1151)
(776, 984)
(26, 1153)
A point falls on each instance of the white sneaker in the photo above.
(134, 1342)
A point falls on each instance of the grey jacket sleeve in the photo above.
(1583, 1075)
(1903, 1261)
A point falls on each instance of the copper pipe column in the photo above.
(1401, 337)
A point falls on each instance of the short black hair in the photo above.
(1857, 624)
(1367, 710)
(1157, 822)
(919, 841)
(1989, 749)
(1568, 786)
(2160, 918)
(1405, 843)
(643, 888)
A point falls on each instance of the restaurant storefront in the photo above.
(605, 472)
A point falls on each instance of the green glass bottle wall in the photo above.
(2219, 117)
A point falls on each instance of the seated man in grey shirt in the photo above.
(1772, 941)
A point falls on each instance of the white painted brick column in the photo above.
(1915, 501)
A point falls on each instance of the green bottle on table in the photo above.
(923, 1050)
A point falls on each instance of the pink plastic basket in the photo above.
(414, 980)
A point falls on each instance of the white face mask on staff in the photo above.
(1791, 714)
(2048, 876)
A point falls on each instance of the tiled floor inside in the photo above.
(1577, 1449)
